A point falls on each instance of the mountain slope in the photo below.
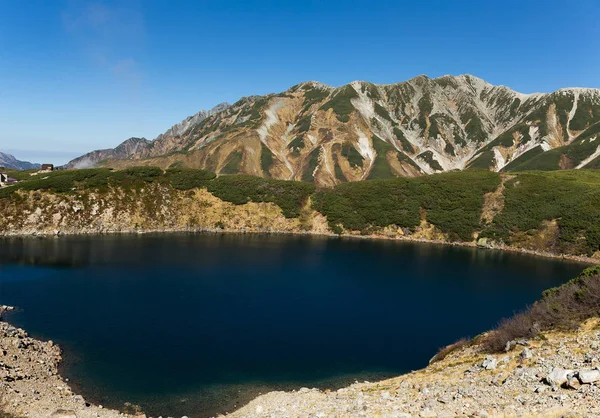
(125, 150)
(315, 132)
(9, 161)
(141, 146)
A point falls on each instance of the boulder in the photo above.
(490, 363)
(558, 377)
(526, 354)
(589, 376)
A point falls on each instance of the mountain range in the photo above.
(318, 133)
(9, 161)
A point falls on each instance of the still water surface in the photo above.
(198, 324)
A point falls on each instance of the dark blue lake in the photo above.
(198, 324)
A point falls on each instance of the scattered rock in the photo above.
(490, 363)
(589, 376)
(558, 377)
(526, 354)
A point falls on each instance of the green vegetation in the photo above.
(523, 158)
(233, 165)
(266, 159)
(449, 148)
(371, 90)
(381, 169)
(451, 201)
(315, 95)
(188, 178)
(406, 145)
(426, 106)
(64, 181)
(341, 103)
(304, 124)
(296, 145)
(506, 139)
(585, 113)
(484, 161)
(382, 111)
(427, 156)
(571, 198)
(290, 196)
(339, 174)
(561, 308)
(313, 160)
(573, 154)
(474, 126)
(352, 155)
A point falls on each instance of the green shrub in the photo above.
(311, 165)
(406, 145)
(290, 196)
(452, 201)
(233, 165)
(341, 103)
(572, 198)
(352, 155)
(188, 178)
(381, 168)
(266, 159)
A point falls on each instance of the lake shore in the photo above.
(405, 238)
(467, 382)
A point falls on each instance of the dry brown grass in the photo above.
(561, 308)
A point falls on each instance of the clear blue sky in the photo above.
(77, 75)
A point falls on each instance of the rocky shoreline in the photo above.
(557, 375)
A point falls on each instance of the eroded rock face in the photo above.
(361, 131)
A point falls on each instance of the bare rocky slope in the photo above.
(315, 132)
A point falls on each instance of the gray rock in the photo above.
(572, 382)
(526, 354)
(589, 376)
(558, 377)
(490, 363)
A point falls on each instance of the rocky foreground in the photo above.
(553, 376)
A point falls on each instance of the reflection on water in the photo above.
(196, 324)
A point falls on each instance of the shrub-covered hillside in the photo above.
(556, 211)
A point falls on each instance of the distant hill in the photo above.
(9, 161)
(135, 146)
(360, 131)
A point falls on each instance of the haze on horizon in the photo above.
(78, 75)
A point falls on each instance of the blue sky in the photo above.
(77, 75)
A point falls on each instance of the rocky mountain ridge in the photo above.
(9, 161)
(328, 135)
